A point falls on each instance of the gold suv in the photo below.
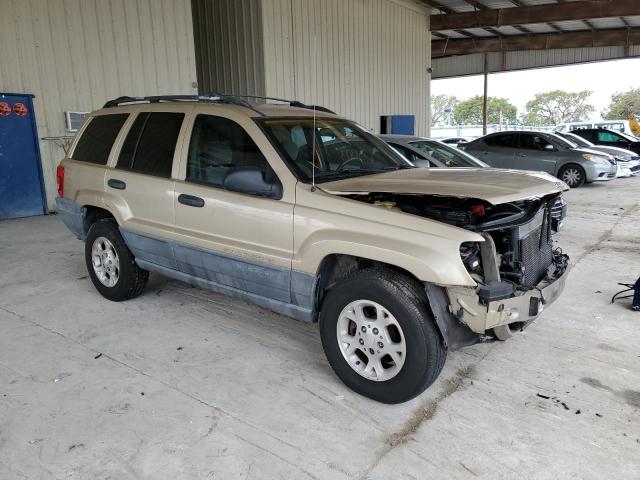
(308, 214)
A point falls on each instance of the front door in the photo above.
(536, 153)
(21, 181)
(237, 241)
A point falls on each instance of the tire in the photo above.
(572, 175)
(118, 277)
(406, 303)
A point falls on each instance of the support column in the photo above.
(485, 112)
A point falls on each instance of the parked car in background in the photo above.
(455, 140)
(547, 152)
(628, 161)
(609, 138)
(623, 126)
(424, 152)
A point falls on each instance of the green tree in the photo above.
(558, 106)
(441, 107)
(623, 105)
(500, 110)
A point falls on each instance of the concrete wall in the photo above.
(361, 58)
(73, 55)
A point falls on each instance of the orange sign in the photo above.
(5, 109)
(20, 109)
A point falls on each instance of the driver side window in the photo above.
(534, 142)
(218, 146)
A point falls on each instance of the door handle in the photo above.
(523, 154)
(117, 184)
(190, 200)
(485, 153)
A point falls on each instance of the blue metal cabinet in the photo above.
(22, 191)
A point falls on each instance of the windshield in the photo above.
(451, 157)
(342, 149)
(579, 141)
(563, 141)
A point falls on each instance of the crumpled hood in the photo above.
(490, 184)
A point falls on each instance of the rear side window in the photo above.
(504, 140)
(151, 143)
(97, 139)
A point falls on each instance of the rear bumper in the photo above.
(72, 215)
(525, 307)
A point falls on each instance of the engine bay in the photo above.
(521, 231)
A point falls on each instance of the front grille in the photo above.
(535, 248)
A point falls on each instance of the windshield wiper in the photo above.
(361, 172)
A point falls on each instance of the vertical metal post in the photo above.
(485, 112)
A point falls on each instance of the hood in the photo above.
(490, 184)
(594, 151)
(616, 151)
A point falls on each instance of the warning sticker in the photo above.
(5, 109)
(20, 109)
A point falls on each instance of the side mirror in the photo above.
(549, 147)
(253, 181)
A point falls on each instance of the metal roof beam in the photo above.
(557, 12)
(599, 38)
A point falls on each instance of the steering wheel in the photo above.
(347, 162)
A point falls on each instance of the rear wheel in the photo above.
(111, 265)
(379, 335)
(572, 175)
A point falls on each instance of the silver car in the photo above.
(628, 161)
(547, 152)
(424, 152)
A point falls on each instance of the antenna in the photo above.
(313, 150)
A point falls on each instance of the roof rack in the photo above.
(292, 103)
(212, 97)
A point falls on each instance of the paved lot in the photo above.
(183, 383)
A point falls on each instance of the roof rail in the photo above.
(212, 97)
(292, 103)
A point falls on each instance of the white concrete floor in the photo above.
(183, 383)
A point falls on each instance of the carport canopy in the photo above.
(475, 36)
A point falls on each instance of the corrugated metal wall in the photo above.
(361, 58)
(228, 43)
(75, 54)
(473, 64)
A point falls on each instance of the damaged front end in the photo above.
(517, 269)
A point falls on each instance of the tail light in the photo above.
(60, 178)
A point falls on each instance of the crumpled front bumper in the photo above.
(467, 307)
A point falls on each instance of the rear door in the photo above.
(498, 150)
(234, 241)
(535, 153)
(139, 187)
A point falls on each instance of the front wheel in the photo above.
(111, 265)
(572, 175)
(379, 336)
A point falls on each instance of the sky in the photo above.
(603, 78)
